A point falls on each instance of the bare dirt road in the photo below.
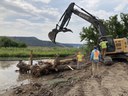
(111, 81)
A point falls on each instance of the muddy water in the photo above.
(9, 78)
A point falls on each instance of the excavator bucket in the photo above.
(52, 35)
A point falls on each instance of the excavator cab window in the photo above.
(110, 45)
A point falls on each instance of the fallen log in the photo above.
(38, 70)
(45, 67)
(23, 67)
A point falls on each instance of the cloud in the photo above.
(20, 18)
(89, 4)
(44, 1)
(22, 27)
(92, 4)
(21, 6)
(38, 17)
(121, 6)
(102, 14)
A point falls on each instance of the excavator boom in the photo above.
(65, 18)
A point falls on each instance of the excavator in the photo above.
(116, 48)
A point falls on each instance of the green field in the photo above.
(37, 52)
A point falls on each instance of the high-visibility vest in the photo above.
(96, 55)
(103, 44)
(79, 57)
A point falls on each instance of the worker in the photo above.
(103, 45)
(79, 59)
(95, 59)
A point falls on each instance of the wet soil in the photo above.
(111, 81)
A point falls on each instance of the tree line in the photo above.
(7, 42)
(116, 25)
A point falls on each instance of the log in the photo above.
(58, 65)
(23, 67)
(45, 67)
(38, 70)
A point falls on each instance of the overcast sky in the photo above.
(38, 17)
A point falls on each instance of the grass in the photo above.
(37, 52)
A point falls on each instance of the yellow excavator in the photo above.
(121, 49)
(116, 48)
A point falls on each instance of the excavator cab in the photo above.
(110, 43)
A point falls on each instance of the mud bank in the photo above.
(111, 81)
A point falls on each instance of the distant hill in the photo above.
(33, 41)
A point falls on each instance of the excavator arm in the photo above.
(65, 18)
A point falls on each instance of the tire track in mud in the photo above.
(77, 90)
(116, 82)
(86, 86)
(93, 86)
(112, 81)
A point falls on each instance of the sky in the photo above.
(36, 18)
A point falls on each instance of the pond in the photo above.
(9, 78)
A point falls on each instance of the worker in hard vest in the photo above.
(79, 60)
(95, 59)
(103, 45)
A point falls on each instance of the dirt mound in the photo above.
(111, 81)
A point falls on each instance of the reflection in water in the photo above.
(22, 77)
(5, 64)
(8, 77)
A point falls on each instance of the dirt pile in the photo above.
(111, 81)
